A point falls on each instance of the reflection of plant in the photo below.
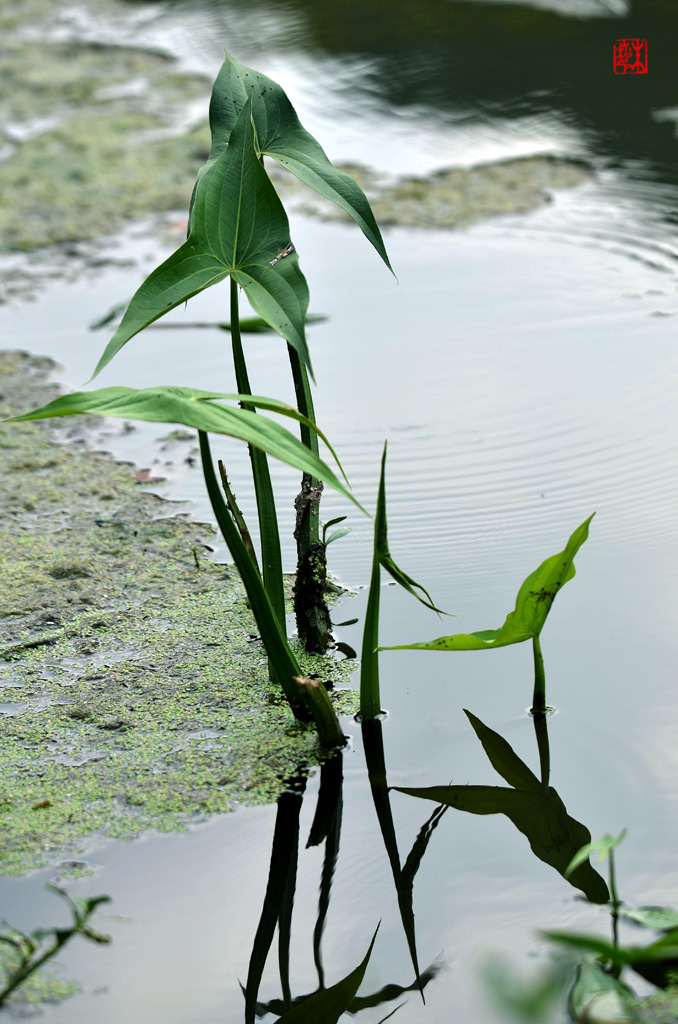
(326, 1004)
(27, 953)
(532, 805)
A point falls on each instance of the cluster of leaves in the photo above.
(590, 971)
(28, 953)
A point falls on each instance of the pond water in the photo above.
(523, 373)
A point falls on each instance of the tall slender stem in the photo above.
(539, 694)
(271, 556)
(310, 700)
(615, 902)
(310, 606)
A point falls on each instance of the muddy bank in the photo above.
(133, 684)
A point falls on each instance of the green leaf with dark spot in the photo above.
(281, 136)
(533, 604)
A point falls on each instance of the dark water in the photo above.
(523, 372)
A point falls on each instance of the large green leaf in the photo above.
(533, 604)
(198, 409)
(327, 1005)
(280, 135)
(237, 225)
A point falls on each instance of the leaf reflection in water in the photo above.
(531, 804)
(325, 1004)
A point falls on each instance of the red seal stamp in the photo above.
(630, 57)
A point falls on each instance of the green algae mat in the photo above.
(133, 685)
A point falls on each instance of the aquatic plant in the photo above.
(589, 971)
(238, 228)
(28, 953)
(370, 704)
(533, 603)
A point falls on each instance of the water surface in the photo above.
(523, 372)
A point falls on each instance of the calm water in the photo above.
(523, 372)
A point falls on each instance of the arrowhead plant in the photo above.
(238, 229)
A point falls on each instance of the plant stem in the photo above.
(370, 706)
(539, 694)
(542, 734)
(306, 701)
(310, 606)
(237, 514)
(271, 557)
(615, 902)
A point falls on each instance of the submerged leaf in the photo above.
(533, 604)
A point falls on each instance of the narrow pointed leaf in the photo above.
(197, 409)
(327, 1005)
(533, 604)
(382, 549)
(369, 658)
(305, 701)
(236, 226)
(280, 135)
(601, 846)
(503, 758)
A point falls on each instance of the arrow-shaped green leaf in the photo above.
(280, 135)
(237, 225)
(533, 604)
